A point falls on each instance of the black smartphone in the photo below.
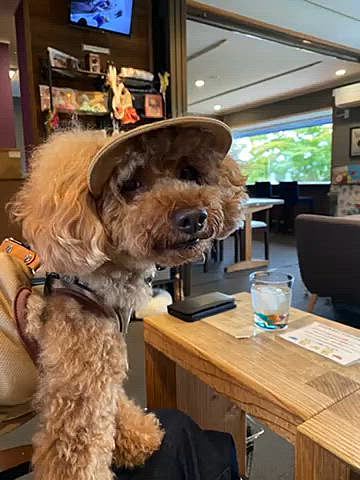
(196, 308)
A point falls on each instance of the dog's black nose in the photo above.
(190, 221)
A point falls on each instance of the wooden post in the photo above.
(178, 63)
(248, 236)
(315, 463)
(211, 411)
(170, 386)
(160, 379)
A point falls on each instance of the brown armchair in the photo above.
(329, 257)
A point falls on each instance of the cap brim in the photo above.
(104, 162)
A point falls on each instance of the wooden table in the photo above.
(253, 205)
(204, 370)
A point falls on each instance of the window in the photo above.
(286, 153)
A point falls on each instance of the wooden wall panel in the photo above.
(48, 25)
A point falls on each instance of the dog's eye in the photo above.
(131, 185)
(190, 174)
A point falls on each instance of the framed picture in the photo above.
(93, 63)
(355, 142)
(60, 59)
(340, 175)
(154, 106)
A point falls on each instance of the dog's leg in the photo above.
(82, 365)
(138, 435)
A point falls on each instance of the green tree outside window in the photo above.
(302, 154)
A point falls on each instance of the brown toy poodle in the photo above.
(102, 213)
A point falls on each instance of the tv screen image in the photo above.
(112, 15)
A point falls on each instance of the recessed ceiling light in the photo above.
(306, 50)
(254, 37)
(199, 83)
(341, 72)
(307, 42)
(217, 107)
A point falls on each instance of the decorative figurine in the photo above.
(122, 102)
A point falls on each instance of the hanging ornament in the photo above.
(164, 83)
(116, 87)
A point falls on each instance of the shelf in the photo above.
(128, 81)
(71, 73)
(137, 83)
(85, 114)
(82, 114)
(92, 74)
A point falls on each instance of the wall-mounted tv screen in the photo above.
(111, 15)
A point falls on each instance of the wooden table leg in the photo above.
(170, 386)
(315, 463)
(248, 237)
(312, 302)
(248, 262)
(187, 279)
(160, 379)
(211, 411)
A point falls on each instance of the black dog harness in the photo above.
(55, 285)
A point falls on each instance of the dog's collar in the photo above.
(22, 252)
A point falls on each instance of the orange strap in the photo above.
(16, 249)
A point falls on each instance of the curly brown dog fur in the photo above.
(110, 243)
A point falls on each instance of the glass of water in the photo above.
(271, 298)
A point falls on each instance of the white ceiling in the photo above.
(334, 20)
(261, 71)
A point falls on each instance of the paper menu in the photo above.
(334, 344)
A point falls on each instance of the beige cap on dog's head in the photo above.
(105, 160)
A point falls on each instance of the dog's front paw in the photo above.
(137, 440)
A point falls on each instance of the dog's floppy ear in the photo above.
(57, 212)
(232, 184)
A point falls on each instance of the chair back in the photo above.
(329, 256)
(263, 190)
(289, 192)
